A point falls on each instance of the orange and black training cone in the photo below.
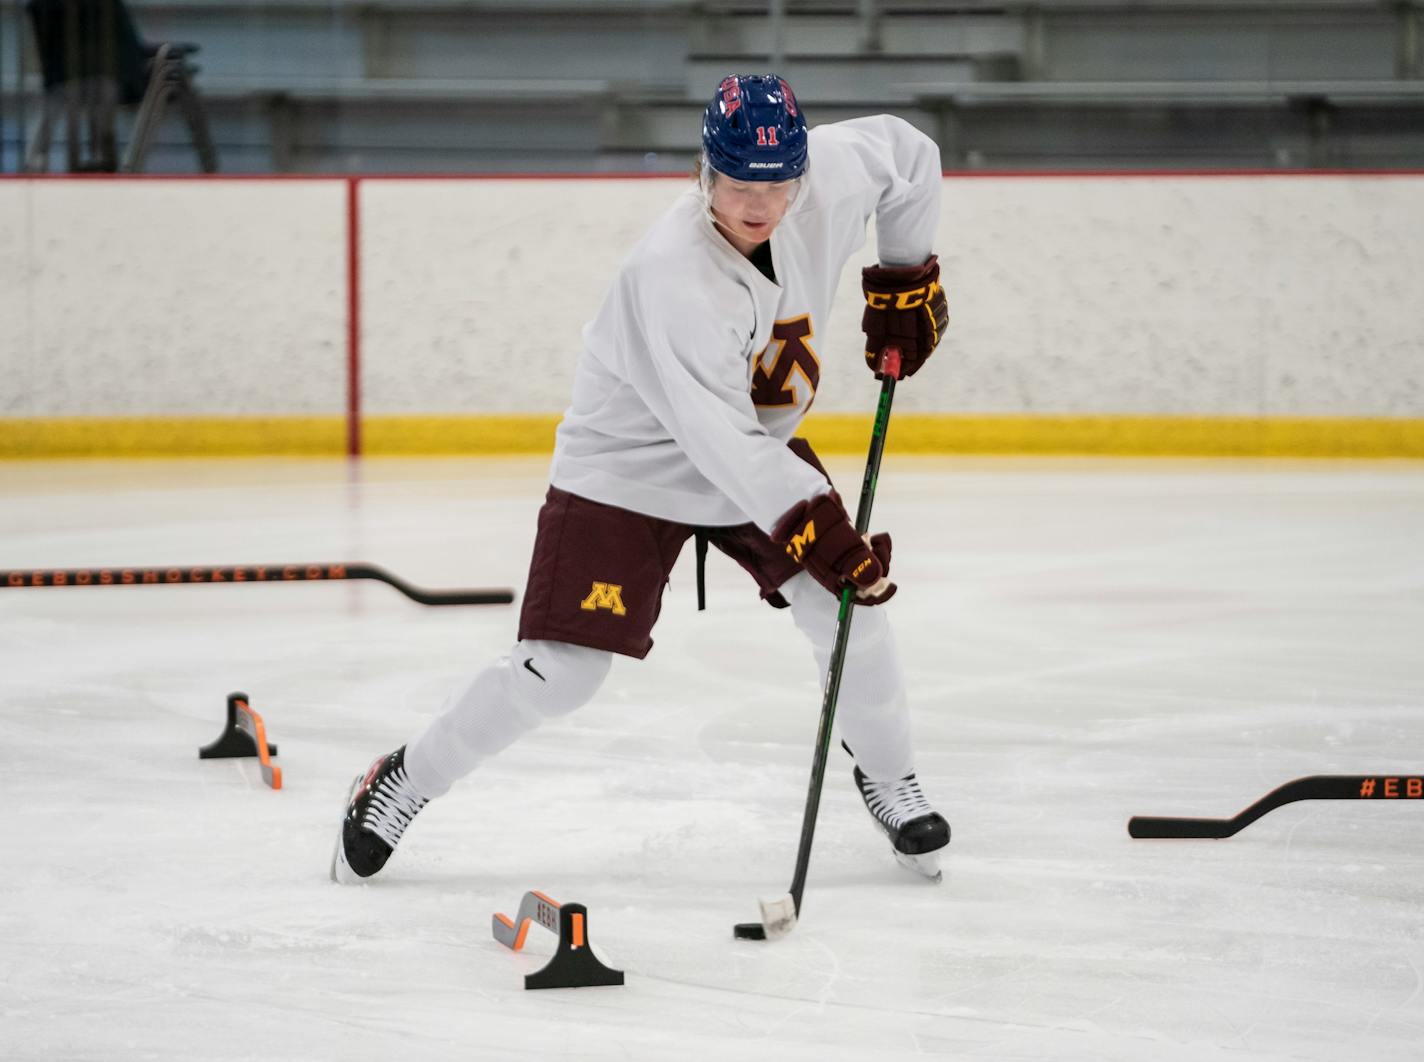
(574, 965)
(244, 735)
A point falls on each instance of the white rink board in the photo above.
(1268, 296)
(475, 293)
(1190, 295)
(179, 297)
(1187, 295)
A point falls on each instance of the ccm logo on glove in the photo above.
(902, 300)
(904, 307)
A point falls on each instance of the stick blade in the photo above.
(1155, 827)
(778, 916)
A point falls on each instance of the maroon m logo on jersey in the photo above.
(773, 387)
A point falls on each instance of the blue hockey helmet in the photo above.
(753, 129)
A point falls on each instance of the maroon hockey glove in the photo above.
(905, 308)
(819, 534)
(880, 546)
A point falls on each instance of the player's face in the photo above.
(748, 211)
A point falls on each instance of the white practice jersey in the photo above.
(698, 369)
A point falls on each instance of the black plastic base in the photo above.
(574, 965)
(233, 741)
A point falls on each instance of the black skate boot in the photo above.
(917, 832)
(380, 807)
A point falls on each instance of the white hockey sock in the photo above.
(498, 705)
(872, 712)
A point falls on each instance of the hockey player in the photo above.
(693, 378)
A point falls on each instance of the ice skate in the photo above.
(381, 805)
(917, 832)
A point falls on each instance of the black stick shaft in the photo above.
(1379, 787)
(838, 653)
(243, 574)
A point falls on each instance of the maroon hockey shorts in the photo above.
(598, 572)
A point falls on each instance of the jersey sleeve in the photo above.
(685, 359)
(896, 171)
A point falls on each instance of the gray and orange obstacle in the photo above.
(574, 965)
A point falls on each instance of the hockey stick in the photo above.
(778, 916)
(1313, 787)
(22, 578)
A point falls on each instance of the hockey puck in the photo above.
(749, 931)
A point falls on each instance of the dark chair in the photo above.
(94, 62)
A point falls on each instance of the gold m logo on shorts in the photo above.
(605, 595)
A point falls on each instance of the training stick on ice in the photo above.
(1382, 787)
(778, 916)
(244, 574)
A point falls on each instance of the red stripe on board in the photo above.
(135, 178)
(1016, 173)
(1059, 174)
(953, 174)
(224, 177)
(353, 317)
(640, 175)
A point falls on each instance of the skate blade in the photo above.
(927, 865)
(778, 916)
(341, 871)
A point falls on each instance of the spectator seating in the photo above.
(586, 85)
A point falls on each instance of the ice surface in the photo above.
(1085, 640)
